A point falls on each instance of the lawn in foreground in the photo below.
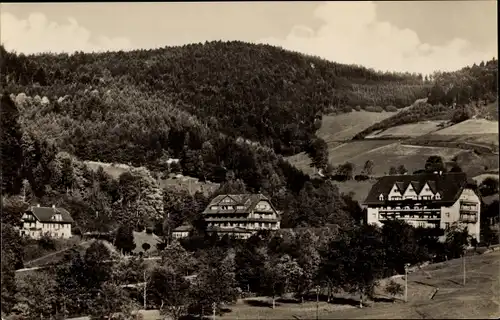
(478, 299)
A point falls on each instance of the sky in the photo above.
(413, 36)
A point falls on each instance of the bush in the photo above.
(391, 109)
(361, 177)
(374, 109)
(357, 108)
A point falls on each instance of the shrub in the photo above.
(374, 109)
(391, 109)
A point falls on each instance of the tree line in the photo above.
(203, 272)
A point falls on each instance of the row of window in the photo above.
(227, 208)
(436, 197)
(242, 225)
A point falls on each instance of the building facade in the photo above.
(54, 222)
(240, 215)
(182, 231)
(434, 200)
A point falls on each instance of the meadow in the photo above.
(477, 299)
(344, 126)
(408, 130)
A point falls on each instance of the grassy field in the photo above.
(340, 153)
(383, 153)
(474, 131)
(141, 238)
(408, 130)
(360, 188)
(345, 126)
(477, 299)
(472, 126)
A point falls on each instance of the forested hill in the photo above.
(117, 100)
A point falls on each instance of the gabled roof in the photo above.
(449, 185)
(45, 214)
(247, 201)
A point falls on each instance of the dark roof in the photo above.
(248, 201)
(45, 214)
(183, 228)
(449, 185)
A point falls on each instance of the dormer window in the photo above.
(381, 197)
(438, 196)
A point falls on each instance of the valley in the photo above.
(472, 143)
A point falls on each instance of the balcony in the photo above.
(409, 210)
(406, 218)
(468, 218)
(468, 209)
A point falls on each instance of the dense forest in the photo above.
(455, 96)
(110, 105)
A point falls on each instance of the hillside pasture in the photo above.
(396, 154)
(474, 133)
(172, 182)
(408, 130)
(472, 126)
(478, 299)
(338, 154)
(359, 188)
(342, 127)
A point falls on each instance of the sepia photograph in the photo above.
(249, 160)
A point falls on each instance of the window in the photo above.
(447, 214)
(446, 225)
(381, 197)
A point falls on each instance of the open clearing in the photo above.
(408, 130)
(176, 182)
(383, 153)
(360, 188)
(472, 126)
(345, 126)
(474, 131)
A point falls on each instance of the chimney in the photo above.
(435, 172)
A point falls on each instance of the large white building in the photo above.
(54, 222)
(240, 215)
(426, 200)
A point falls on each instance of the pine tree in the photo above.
(124, 239)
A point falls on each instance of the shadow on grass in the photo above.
(260, 303)
(383, 299)
(344, 301)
